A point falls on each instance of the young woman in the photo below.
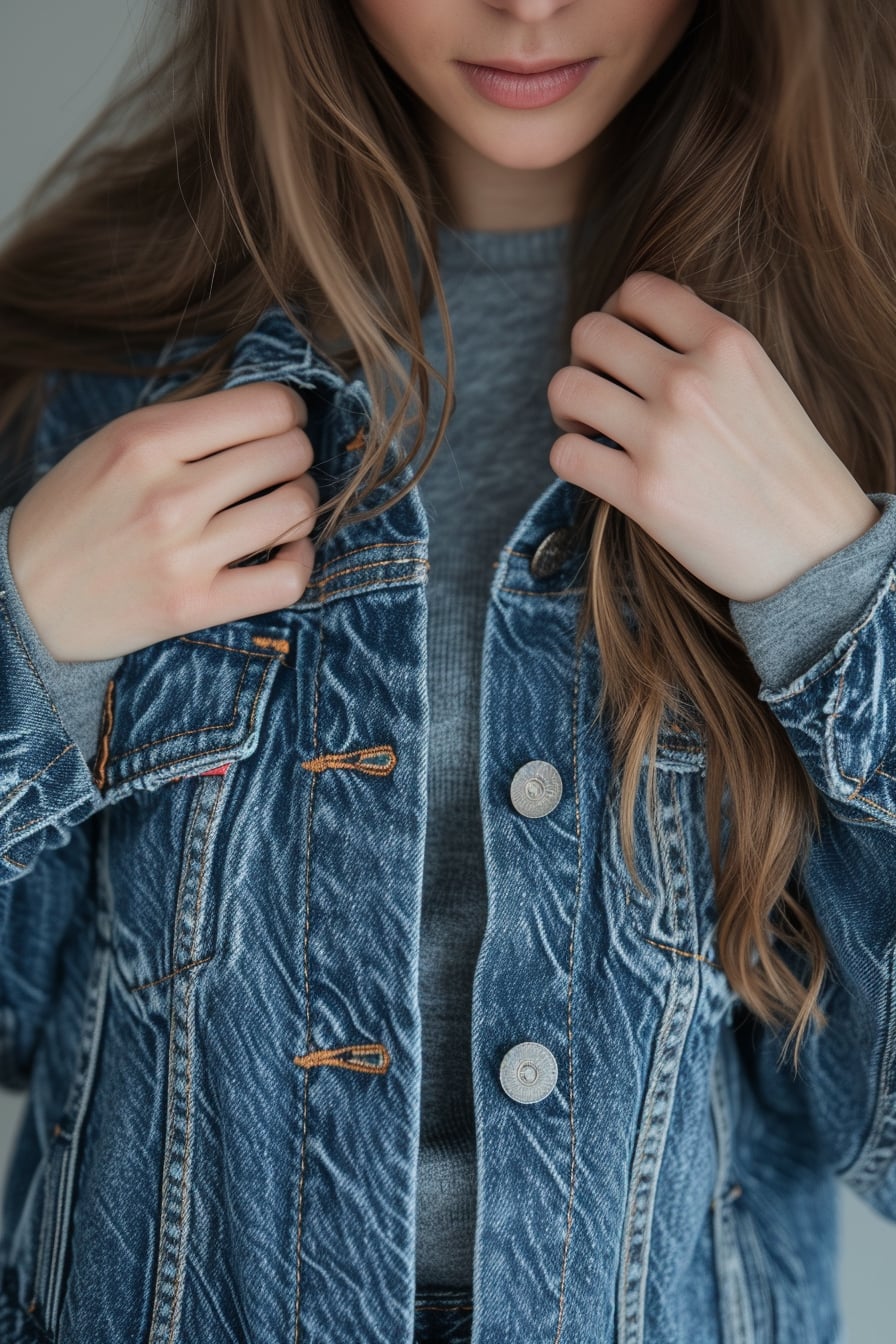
(448, 837)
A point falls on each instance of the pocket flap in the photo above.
(186, 705)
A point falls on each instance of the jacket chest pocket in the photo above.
(182, 726)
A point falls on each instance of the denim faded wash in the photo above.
(208, 962)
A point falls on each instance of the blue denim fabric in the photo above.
(209, 937)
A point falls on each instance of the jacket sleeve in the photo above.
(77, 688)
(46, 784)
(47, 708)
(792, 628)
(840, 716)
(48, 798)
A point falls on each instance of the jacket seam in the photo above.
(368, 564)
(870, 1165)
(369, 546)
(4, 608)
(569, 995)
(660, 1088)
(889, 585)
(318, 600)
(17, 788)
(179, 1133)
(188, 732)
(309, 1043)
(192, 756)
(859, 781)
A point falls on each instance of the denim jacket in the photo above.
(208, 967)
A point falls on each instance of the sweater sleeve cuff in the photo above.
(788, 631)
(77, 688)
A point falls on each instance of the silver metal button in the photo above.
(528, 1072)
(536, 789)
(551, 553)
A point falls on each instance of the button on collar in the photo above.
(536, 789)
(528, 1072)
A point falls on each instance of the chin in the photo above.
(518, 152)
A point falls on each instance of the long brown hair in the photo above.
(268, 154)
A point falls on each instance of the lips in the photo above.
(524, 68)
(510, 88)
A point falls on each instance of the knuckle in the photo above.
(687, 389)
(128, 442)
(564, 454)
(298, 496)
(300, 448)
(294, 506)
(640, 284)
(728, 340)
(163, 513)
(154, 421)
(587, 327)
(557, 385)
(297, 580)
(289, 580)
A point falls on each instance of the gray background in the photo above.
(58, 58)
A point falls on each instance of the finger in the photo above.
(582, 401)
(630, 358)
(248, 591)
(671, 313)
(281, 515)
(229, 476)
(201, 425)
(597, 468)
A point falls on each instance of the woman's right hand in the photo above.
(129, 538)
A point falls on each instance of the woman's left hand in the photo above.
(721, 464)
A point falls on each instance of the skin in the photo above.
(511, 168)
(717, 459)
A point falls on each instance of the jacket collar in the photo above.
(339, 413)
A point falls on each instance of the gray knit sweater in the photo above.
(505, 294)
